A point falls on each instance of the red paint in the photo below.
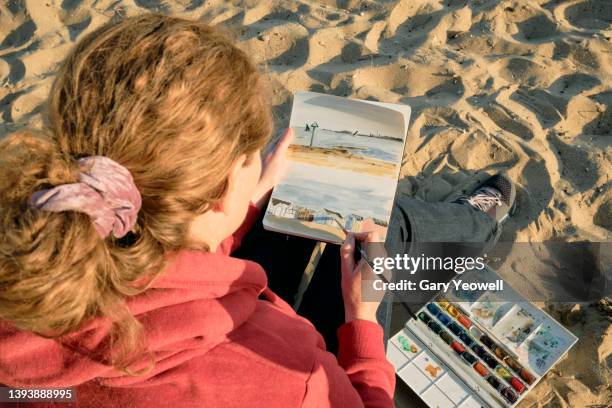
(457, 347)
(517, 385)
(527, 377)
(481, 369)
(464, 321)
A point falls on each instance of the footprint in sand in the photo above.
(573, 84)
(579, 51)
(602, 124)
(287, 45)
(523, 71)
(77, 28)
(506, 121)
(411, 25)
(69, 5)
(578, 165)
(17, 69)
(76, 17)
(19, 36)
(153, 5)
(549, 109)
(589, 115)
(536, 29)
(590, 14)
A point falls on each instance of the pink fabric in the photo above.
(105, 191)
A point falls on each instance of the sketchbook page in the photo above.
(343, 168)
(405, 110)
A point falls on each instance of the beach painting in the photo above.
(343, 167)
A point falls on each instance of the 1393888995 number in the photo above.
(8, 394)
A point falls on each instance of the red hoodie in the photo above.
(220, 338)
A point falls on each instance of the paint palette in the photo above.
(547, 345)
(489, 308)
(483, 350)
(426, 374)
(516, 326)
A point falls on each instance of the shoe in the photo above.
(496, 197)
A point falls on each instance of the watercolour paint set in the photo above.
(343, 167)
(477, 348)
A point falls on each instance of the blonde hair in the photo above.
(174, 101)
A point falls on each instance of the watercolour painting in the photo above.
(343, 168)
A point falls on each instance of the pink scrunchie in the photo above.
(106, 192)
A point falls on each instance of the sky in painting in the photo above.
(335, 113)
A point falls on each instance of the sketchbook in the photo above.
(477, 348)
(344, 164)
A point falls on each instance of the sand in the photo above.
(522, 86)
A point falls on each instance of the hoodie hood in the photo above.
(191, 308)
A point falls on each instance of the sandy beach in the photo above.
(522, 86)
(342, 159)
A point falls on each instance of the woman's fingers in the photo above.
(354, 307)
(371, 244)
(367, 236)
(286, 140)
(280, 150)
(347, 255)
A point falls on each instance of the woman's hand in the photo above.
(273, 169)
(352, 275)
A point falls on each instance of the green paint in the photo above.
(406, 344)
